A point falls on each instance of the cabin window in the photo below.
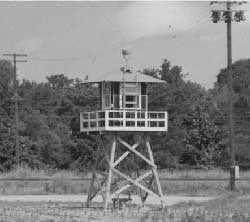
(115, 88)
(85, 116)
(130, 98)
(92, 116)
(107, 92)
(114, 95)
(107, 88)
(85, 125)
(131, 101)
(143, 88)
(107, 100)
(132, 91)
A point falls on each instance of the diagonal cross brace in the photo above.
(100, 185)
(136, 184)
(124, 155)
(125, 187)
(151, 163)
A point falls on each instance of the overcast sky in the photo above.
(86, 38)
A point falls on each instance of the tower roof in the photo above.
(118, 77)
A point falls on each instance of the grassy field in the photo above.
(228, 209)
(59, 182)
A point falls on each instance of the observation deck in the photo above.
(124, 120)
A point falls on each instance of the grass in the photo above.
(59, 182)
(229, 209)
(225, 209)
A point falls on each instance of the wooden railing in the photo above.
(123, 120)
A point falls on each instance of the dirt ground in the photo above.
(71, 208)
(169, 200)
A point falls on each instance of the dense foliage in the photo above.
(49, 119)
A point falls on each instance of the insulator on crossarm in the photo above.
(239, 16)
(226, 16)
(216, 16)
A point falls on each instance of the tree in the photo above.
(241, 98)
(59, 81)
(49, 120)
(181, 99)
(172, 75)
(6, 115)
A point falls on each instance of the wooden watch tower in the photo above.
(124, 111)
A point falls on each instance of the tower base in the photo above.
(108, 183)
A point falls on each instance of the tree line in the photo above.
(49, 133)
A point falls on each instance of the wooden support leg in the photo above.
(90, 191)
(109, 181)
(149, 186)
(100, 187)
(154, 169)
(94, 193)
(93, 190)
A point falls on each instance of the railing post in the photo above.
(124, 118)
(136, 118)
(106, 119)
(88, 120)
(166, 120)
(97, 118)
(81, 122)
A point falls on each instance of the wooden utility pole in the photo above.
(230, 94)
(15, 56)
(228, 17)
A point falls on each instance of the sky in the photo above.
(86, 38)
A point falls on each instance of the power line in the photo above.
(56, 59)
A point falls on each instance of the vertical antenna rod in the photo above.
(125, 69)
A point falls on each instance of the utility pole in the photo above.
(228, 16)
(16, 110)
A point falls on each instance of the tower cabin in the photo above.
(124, 105)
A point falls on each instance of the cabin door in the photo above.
(115, 89)
(131, 95)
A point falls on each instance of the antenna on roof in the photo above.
(125, 54)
